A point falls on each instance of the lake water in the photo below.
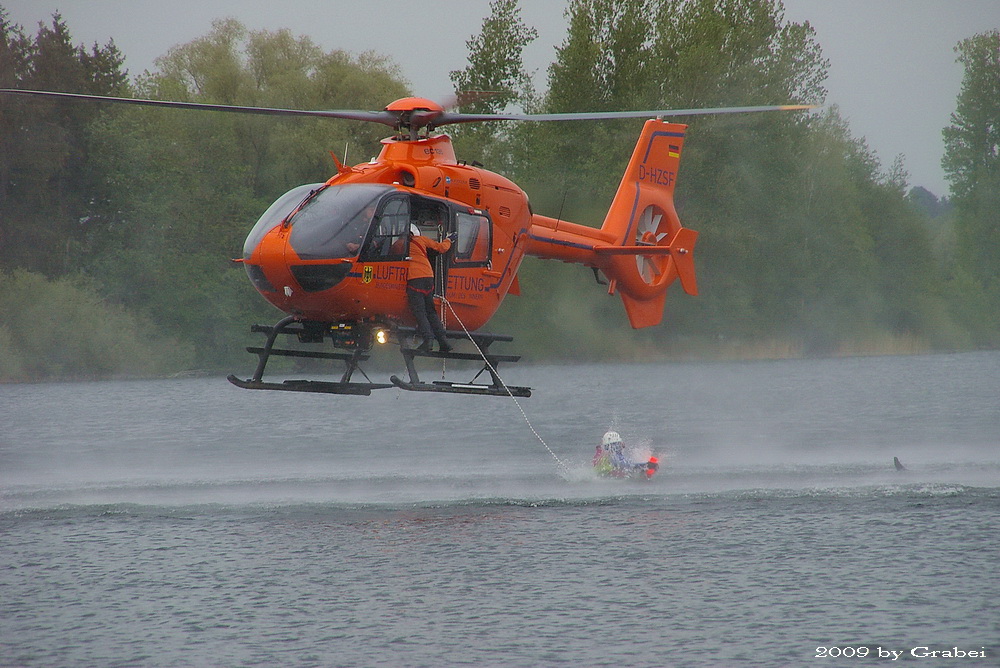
(188, 522)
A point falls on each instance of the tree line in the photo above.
(808, 244)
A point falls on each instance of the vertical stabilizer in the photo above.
(653, 249)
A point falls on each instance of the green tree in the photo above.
(735, 52)
(233, 65)
(53, 190)
(972, 166)
(15, 63)
(804, 238)
(738, 177)
(496, 64)
(193, 183)
(493, 80)
(62, 328)
(604, 60)
(972, 141)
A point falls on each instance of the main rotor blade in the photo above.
(420, 118)
(447, 118)
(384, 117)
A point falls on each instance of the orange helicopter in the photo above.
(333, 256)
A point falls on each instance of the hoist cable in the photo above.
(493, 370)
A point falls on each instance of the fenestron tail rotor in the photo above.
(648, 233)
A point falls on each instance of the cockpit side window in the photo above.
(390, 230)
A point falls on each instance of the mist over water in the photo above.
(179, 522)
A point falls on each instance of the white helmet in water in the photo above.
(611, 438)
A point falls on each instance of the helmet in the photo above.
(610, 438)
(414, 230)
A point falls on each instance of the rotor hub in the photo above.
(414, 113)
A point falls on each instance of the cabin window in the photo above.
(390, 233)
(475, 231)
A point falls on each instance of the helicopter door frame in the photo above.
(435, 220)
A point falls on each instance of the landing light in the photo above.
(381, 336)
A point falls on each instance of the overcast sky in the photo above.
(892, 65)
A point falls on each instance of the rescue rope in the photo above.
(541, 440)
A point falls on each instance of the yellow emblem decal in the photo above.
(367, 274)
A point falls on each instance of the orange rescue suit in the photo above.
(419, 266)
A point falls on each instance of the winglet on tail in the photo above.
(683, 255)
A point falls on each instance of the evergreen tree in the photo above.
(15, 58)
(53, 194)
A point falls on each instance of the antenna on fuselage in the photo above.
(561, 205)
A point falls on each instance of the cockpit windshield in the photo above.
(275, 213)
(333, 224)
(370, 222)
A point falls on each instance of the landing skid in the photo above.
(490, 362)
(362, 389)
(290, 325)
(460, 388)
(358, 352)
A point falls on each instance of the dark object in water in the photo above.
(898, 464)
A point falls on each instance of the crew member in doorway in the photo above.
(420, 289)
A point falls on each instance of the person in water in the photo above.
(420, 289)
(610, 458)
